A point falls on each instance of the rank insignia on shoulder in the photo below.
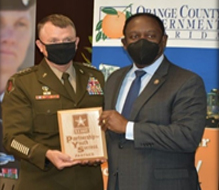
(94, 87)
(89, 65)
(10, 85)
(24, 71)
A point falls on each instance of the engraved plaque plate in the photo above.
(80, 135)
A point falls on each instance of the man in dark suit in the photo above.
(32, 99)
(152, 143)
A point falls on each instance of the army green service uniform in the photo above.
(31, 127)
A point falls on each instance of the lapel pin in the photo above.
(44, 75)
(156, 81)
(81, 71)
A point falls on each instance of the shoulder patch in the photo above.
(10, 85)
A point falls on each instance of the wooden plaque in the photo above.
(80, 135)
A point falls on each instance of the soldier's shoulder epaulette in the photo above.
(27, 70)
(11, 81)
(86, 65)
(89, 65)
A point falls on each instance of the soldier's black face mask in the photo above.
(61, 53)
(143, 52)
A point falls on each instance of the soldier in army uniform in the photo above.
(33, 97)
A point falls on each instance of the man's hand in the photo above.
(113, 121)
(60, 160)
(93, 162)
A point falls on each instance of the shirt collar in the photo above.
(58, 73)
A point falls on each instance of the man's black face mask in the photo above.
(143, 52)
(61, 53)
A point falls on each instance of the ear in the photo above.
(39, 45)
(77, 42)
(164, 40)
(124, 42)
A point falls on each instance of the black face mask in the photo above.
(143, 52)
(61, 53)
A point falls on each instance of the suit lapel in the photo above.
(48, 78)
(154, 84)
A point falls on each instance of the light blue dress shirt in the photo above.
(126, 84)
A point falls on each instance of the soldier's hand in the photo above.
(59, 159)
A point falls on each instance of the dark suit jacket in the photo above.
(169, 117)
(31, 127)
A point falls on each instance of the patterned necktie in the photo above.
(67, 84)
(132, 94)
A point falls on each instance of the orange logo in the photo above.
(207, 159)
(111, 25)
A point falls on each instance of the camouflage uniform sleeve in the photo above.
(17, 125)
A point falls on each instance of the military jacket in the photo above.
(32, 99)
